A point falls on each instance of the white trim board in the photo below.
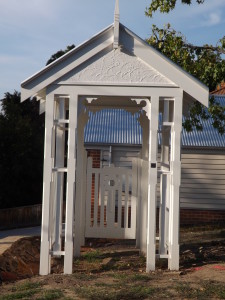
(98, 46)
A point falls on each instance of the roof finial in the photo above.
(116, 25)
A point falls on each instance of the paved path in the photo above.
(8, 237)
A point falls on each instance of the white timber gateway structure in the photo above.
(114, 69)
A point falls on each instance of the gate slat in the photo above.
(89, 187)
(119, 204)
(95, 223)
(126, 201)
(102, 198)
(133, 195)
(105, 196)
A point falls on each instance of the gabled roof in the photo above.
(100, 48)
(116, 66)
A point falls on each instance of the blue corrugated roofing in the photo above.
(117, 126)
(208, 137)
(113, 126)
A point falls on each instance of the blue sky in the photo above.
(32, 30)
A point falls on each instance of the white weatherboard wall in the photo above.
(203, 180)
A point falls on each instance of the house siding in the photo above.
(203, 180)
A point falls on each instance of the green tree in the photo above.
(21, 151)
(165, 6)
(205, 62)
(59, 53)
(22, 148)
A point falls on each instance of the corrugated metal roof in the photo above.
(208, 137)
(113, 126)
(117, 126)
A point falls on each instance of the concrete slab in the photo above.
(8, 237)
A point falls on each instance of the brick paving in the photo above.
(8, 237)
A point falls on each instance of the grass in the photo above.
(84, 276)
(19, 295)
(93, 256)
(140, 277)
(51, 295)
(26, 286)
(108, 275)
(23, 291)
(118, 285)
(32, 290)
(115, 292)
(207, 290)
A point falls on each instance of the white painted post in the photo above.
(173, 262)
(79, 224)
(71, 166)
(138, 202)
(48, 164)
(152, 182)
(59, 163)
(143, 208)
(163, 216)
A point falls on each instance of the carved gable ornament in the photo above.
(116, 67)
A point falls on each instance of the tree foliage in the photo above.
(21, 151)
(22, 148)
(165, 6)
(59, 53)
(205, 63)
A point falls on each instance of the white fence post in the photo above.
(152, 181)
(59, 161)
(70, 199)
(173, 262)
(48, 164)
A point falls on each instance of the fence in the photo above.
(20, 216)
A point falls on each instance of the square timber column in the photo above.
(164, 178)
(71, 179)
(79, 224)
(47, 178)
(152, 182)
(59, 163)
(174, 214)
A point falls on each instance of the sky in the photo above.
(32, 30)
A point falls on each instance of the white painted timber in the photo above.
(164, 182)
(202, 180)
(152, 57)
(65, 64)
(111, 202)
(48, 163)
(104, 40)
(59, 162)
(114, 64)
(117, 67)
(79, 225)
(174, 210)
(70, 199)
(120, 91)
(152, 181)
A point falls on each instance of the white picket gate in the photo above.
(111, 202)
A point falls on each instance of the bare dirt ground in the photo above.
(115, 270)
